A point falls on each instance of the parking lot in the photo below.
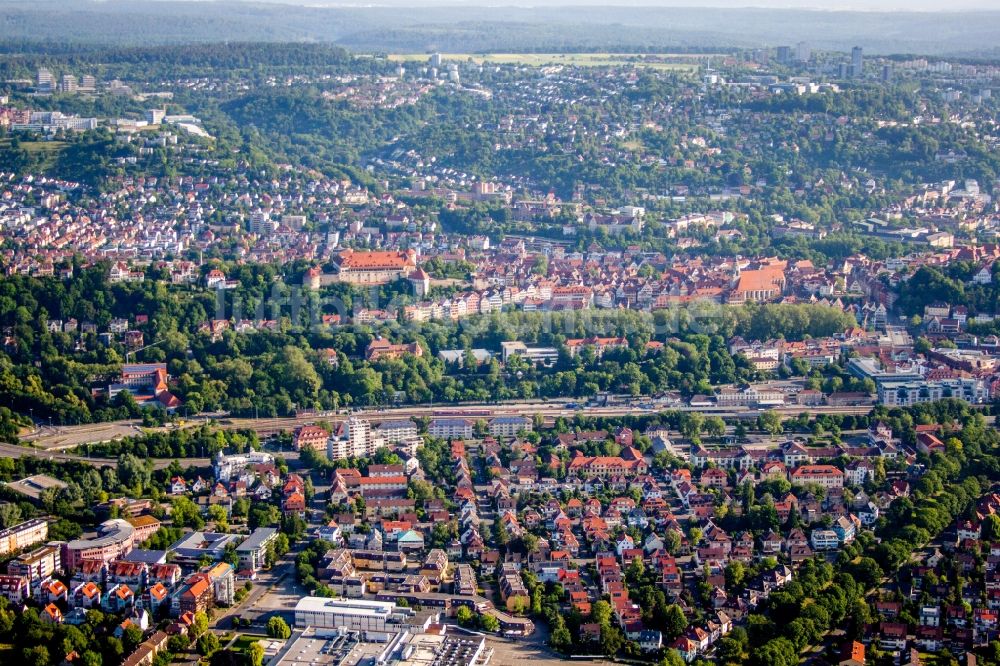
(515, 653)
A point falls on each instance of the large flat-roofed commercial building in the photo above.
(193, 546)
(435, 649)
(253, 551)
(544, 356)
(22, 535)
(903, 394)
(311, 646)
(376, 620)
(33, 486)
(115, 539)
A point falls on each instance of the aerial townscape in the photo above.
(471, 336)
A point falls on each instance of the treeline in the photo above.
(200, 442)
(789, 322)
(855, 102)
(10, 425)
(755, 225)
(89, 158)
(951, 285)
(836, 247)
(952, 483)
(87, 488)
(331, 135)
(274, 372)
(820, 598)
(173, 24)
(220, 59)
(38, 643)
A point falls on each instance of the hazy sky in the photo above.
(831, 5)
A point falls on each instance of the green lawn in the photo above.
(244, 641)
(46, 151)
(43, 146)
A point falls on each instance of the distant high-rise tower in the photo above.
(802, 52)
(261, 223)
(68, 83)
(857, 62)
(886, 73)
(44, 81)
(784, 54)
(436, 60)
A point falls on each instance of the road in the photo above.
(52, 437)
(278, 582)
(533, 649)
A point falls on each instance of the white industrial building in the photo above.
(375, 620)
(311, 646)
(225, 466)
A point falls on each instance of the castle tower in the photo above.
(421, 282)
